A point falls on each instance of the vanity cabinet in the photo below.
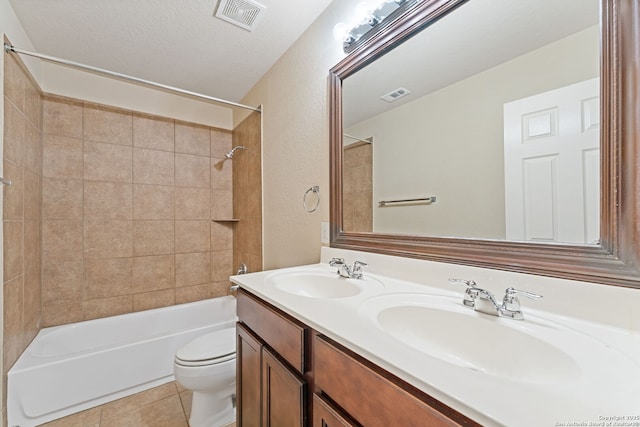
(271, 388)
(291, 375)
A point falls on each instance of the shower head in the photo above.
(231, 153)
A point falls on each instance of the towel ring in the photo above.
(316, 190)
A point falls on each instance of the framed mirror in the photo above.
(469, 162)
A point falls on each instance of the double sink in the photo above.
(428, 336)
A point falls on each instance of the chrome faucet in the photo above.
(344, 271)
(482, 300)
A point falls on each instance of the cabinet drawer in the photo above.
(285, 335)
(325, 416)
(369, 397)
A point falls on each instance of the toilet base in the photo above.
(212, 410)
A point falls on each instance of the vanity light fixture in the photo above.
(370, 18)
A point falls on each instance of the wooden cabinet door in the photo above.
(325, 416)
(249, 364)
(283, 394)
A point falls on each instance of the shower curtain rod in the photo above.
(9, 48)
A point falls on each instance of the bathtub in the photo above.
(70, 368)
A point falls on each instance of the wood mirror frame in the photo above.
(616, 260)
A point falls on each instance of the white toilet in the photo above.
(207, 366)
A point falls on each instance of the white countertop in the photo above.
(602, 392)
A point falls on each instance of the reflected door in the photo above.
(552, 158)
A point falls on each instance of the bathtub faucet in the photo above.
(344, 271)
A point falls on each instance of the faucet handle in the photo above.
(511, 303)
(469, 283)
(336, 261)
(357, 269)
(511, 292)
(470, 294)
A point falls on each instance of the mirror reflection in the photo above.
(484, 125)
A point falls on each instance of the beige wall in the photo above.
(449, 144)
(295, 139)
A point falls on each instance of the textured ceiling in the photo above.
(174, 42)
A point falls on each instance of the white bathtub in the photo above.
(70, 368)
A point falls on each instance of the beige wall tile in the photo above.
(33, 149)
(192, 236)
(153, 201)
(32, 303)
(61, 157)
(152, 273)
(221, 204)
(106, 124)
(13, 205)
(220, 142)
(14, 129)
(153, 238)
(61, 198)
(62, 283)
(107, 277)
(14, 81)
(62, 117)
(12, 325)
(221, 265)
(155, 299)
(153, 167)
(54, 315)
(31, 195)
(220, 289)
(108, 200)
(221, 236)
(32, 245)
(193, 269)
(106, 307)
(187, 294)
(192, 171)
(13, 249)
(107, 162)
(153, 132)
(33, 102)
(193, 203)
(221, 175)
(108, 238)
(192, 139)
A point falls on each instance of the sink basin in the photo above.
(318, 284)
(531, 350)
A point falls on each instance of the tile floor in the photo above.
(168, 405)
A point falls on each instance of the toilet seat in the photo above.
(210, 349)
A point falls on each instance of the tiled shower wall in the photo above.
(22, 154)
(357, 203)
(247, 194)
(126, 211)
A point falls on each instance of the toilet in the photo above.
(207, 366)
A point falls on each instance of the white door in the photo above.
(552, 165)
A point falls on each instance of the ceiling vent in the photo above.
(396, 94)
(243, 13)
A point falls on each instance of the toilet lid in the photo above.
(214, 345)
